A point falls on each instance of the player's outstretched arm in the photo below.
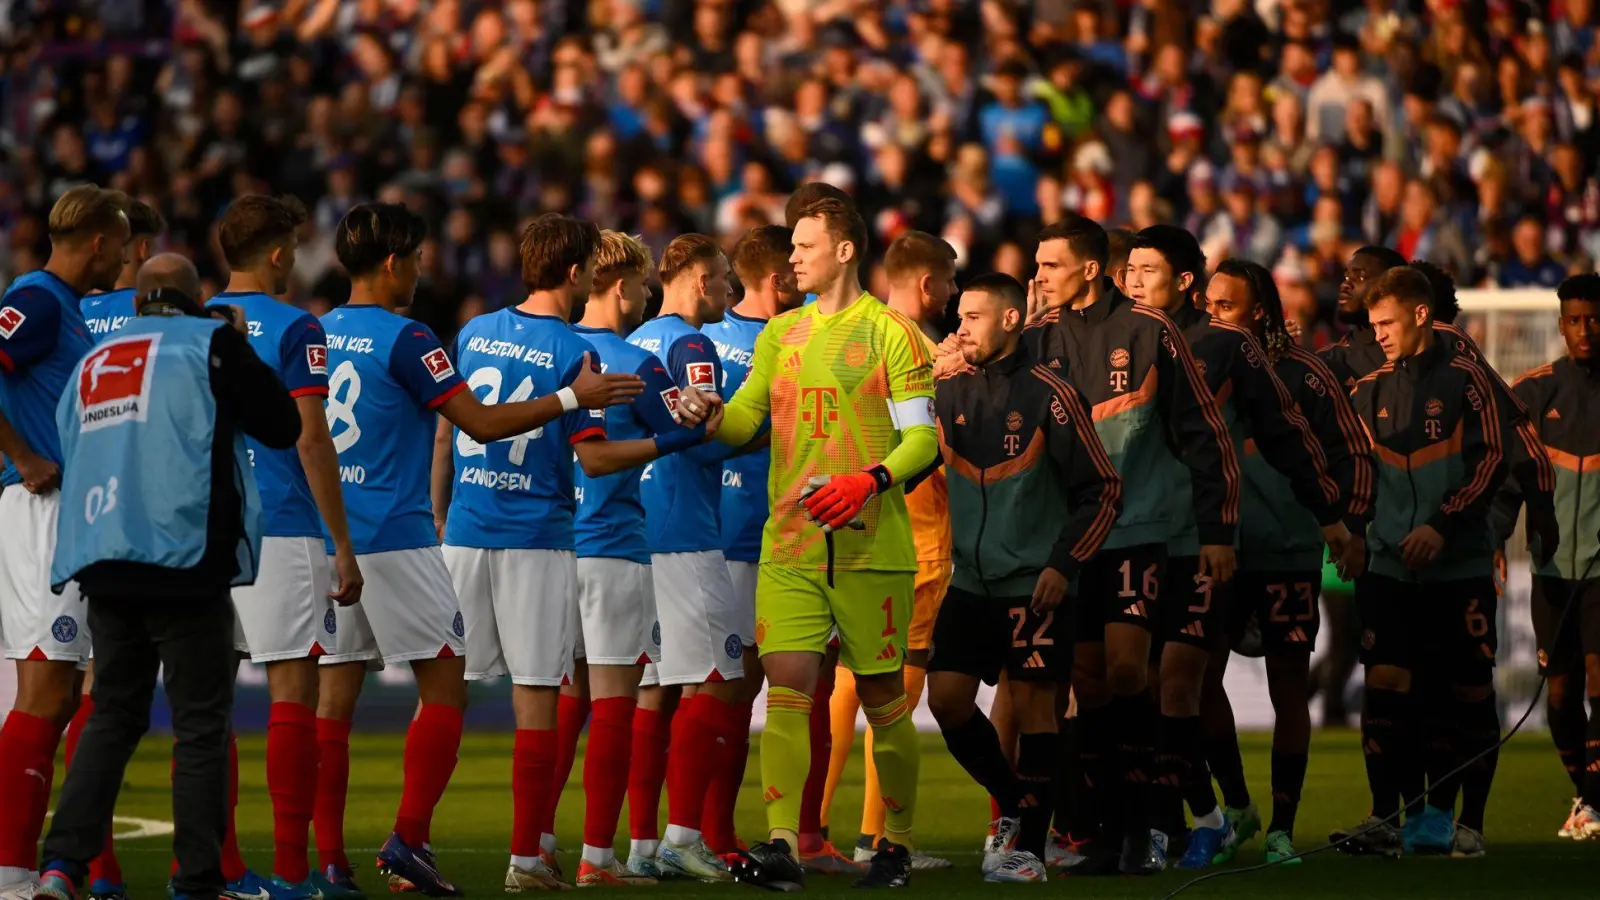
(321, 463)
(747, 411)
(589, 390)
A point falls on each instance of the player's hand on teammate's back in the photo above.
(1216, 561)
(1049, 591)
(695, 406)
(1419, 548)
(597, 391)
(39, 475)
(348, 580)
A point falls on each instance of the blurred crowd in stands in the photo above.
(1286, 131)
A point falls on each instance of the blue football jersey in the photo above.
(744, 478)
(682, 493)
(517, 493)
(387, 375)
(106, 313)
(611, 520)
(291, 342)
(42, 339)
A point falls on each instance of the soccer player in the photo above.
(107, 311)
(1563, 398)
(1164, 270)
(509, 537)
(848, 383)
(42, 339)
(761, 263)
(283, 619)
(1281, 545)
(1438, 436)
(921, 270)
(1148, 397)
(1358, 354)
(1032, 495)
(618, 630)
(702, 647)
(389, 377)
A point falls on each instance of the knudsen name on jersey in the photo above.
(498, 481)
(350, 344)
(531, 355)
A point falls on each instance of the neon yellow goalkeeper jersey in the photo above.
(827, 381)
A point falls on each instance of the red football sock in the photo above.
(333, 782)
(571, 713)
(532, 760)
(292, 782)
(432, 744)
(605, 768)
(821, 752)
(233, 867)
(105, 866)
(647, 772)
(27, 768)
(696, 732)
(723, 796)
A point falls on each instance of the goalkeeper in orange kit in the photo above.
(848, 384)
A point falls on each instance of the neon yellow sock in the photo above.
(898, 755)
(785, 758)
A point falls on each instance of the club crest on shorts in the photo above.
(330, 622)
(1544, 659)
(459, 626)
(733, 647)
(64, 629)
(655, 634)
(1368, 639)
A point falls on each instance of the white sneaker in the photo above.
(1000, 844)
(537, 877)
(921, 862)
(1586, 824)
(22, 890)
(1468, 844)
(691, 861)
(1018, 867)
(1566, 827)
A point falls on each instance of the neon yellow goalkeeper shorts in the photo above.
(796, 610)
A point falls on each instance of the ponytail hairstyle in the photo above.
(1264, 292)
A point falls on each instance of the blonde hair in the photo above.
(685, 252)
(620, 255)
(87, 210)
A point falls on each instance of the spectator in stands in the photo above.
(1531, 265)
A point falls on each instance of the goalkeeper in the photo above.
(848, 384)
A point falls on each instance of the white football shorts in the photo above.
(520, 612)
(34, 621)
(743, 577)
(617, 613)
(408, 611)
(699, 616)
(286, 614)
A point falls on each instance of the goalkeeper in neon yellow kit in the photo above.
(848, 385)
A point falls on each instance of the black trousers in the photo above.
(190, 642)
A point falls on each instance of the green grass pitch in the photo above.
(473, 826)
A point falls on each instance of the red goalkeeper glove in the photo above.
(839, 501)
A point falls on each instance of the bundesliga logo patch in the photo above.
(438, 364)
(114, 382)
(11, 319)
(317, 359)
(702, 375)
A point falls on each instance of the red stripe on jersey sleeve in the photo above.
(445, 397)
(317, 390)
(590, 433)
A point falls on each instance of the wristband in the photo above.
(882, 479)
(569, 399)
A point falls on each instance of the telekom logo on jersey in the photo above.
(114, 382)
